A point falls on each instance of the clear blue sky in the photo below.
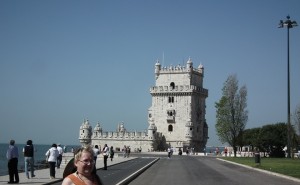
(64, 61)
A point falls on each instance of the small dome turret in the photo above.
(200, 66)
(157, 69)
(98, 127)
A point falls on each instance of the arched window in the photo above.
(170, 128)
(172, 85)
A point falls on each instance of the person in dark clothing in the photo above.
(112, 153)
(28, 151)
(12, 155)
(105, 152)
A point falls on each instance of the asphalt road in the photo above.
(204, 171)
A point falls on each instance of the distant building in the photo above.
(177, 113)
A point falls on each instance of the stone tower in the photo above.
(178, 105)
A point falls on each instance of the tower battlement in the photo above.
(178, 89)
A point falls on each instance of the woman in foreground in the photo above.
(86, 172)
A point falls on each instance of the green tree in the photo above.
(251, 137)
(231, 114)
(274, 139)
(160, 144)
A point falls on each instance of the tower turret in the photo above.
(189, 67)
(201, 69)
(97, 130)
(157, 69)
(151, 130)
(85, 133)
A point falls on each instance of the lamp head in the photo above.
(280, 25)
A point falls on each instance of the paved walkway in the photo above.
(43, 176)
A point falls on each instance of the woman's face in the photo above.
(85, 164)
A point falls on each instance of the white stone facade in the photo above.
(177, 112)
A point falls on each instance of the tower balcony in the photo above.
(171, 119)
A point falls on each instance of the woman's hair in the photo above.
(79, 152)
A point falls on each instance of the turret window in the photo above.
(170, 128)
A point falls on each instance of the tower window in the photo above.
(171, 112)
(170, 128)
(171, 99)
(172, 85)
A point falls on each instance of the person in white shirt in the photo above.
(52, 155)
(96, 153)
(60, 153)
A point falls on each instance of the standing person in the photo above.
(52, 154)
(12, 155)
(169, 152)
(225, 151)
(96, 153)
(128, 151)
(60, 154)
(180, 151)
(28, 152)
(85, 169)
(112, 153)
(124, 151)
(105, 156)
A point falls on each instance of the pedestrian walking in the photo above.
(96, 153)
(28, 152)
(60, 154)
(52, 155)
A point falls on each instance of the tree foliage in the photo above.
(231, 114)
(270, 139)
(274, 139)
(160, 144)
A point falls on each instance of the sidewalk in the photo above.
(43, 176)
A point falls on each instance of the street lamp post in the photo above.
(289, 24)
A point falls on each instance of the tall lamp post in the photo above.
(289, 24)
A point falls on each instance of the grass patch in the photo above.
(290, 167)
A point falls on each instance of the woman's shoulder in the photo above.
(69, 179)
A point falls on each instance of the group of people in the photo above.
(54, 158)
(84, 163)
(12, 156)
(126, 151)
(106, 152)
